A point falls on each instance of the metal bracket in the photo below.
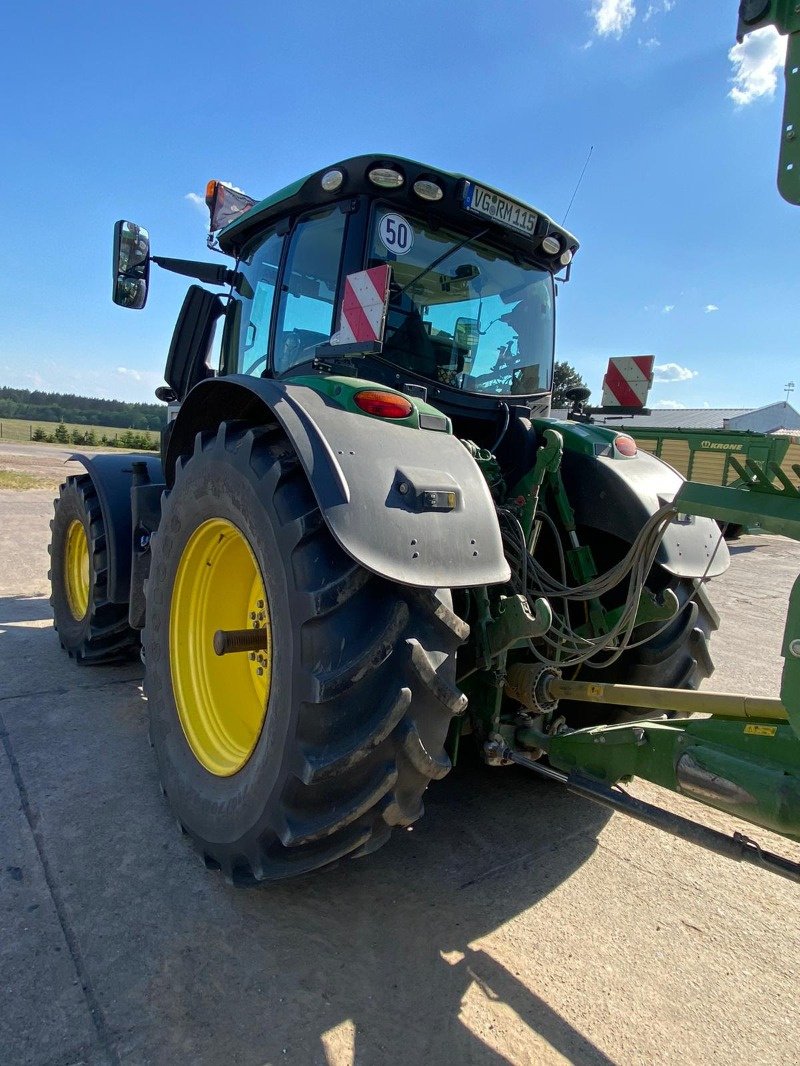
(651, 608)
(516, 620)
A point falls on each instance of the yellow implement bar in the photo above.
(726, 704)
(540, 688)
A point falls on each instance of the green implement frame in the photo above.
(723, 457)
(784, 15)
(742, 758)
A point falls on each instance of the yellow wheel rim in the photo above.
(76, 569)
(221, 699)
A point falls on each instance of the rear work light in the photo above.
(331, 180)
(625, 445)
(383, 404)
(386, 177)
(428, 190)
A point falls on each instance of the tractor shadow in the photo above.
(401, 956)
(421, 952)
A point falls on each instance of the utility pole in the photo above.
(789, 387)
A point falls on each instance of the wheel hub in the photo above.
(76, 569)
(221, 698)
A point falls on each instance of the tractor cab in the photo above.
(470, 320)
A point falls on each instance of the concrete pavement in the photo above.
(514, 923)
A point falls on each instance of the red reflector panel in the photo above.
(625, 445)
(383, 404)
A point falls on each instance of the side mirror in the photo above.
(131, 265)
(466, 337)
(577, 394)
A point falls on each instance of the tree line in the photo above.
(130, 439)
(58, 407)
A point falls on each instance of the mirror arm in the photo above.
(210, 273)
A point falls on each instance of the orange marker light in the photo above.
(211, 192)
(383, 404)
(625, 446)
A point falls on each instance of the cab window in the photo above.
(308, 291)
(259, 268)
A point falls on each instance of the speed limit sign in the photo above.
(396, 234)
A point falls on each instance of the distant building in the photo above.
(770, 419)
(774, 418)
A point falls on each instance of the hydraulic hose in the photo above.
(562, 646)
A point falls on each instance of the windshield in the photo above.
(477, 320)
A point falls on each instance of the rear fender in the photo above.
(617, 496)
(355, 465)
(112, 476)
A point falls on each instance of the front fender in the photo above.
(112, 476)
(356, 466)
(617, 496)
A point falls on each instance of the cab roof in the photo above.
(307, 193)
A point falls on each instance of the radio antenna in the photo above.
(580, 179)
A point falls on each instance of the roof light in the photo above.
(386, 177)
(625, 445)
(383, 404)
(428, 190)
(332, 180)
(551, 245)
(566, 258)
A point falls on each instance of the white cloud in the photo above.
(612, 17)
(128, 373)
(670, 405)
(755, 64)
(649, 44)
(710, 309)
(658, 7)
(667, 309)
(198, 201)
(673, 372)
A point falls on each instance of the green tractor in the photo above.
(363, 523)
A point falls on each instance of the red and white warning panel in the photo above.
(628, 380)
(363, 316)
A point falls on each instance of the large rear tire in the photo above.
(317, 756)
(91, 628)
(677, 656)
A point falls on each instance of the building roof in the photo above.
(771, 418)
(687, 417)
(669, 418)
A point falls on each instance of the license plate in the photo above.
(499, 208)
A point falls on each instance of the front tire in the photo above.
(90, 627)
(357, 687)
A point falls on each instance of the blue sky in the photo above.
(121, 111)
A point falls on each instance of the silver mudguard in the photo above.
(383, 489)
